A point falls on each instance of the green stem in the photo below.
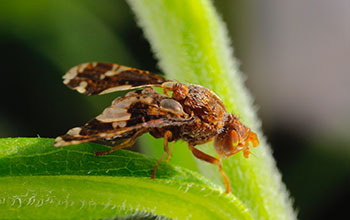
(191, 43)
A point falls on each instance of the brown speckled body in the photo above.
(206, 109)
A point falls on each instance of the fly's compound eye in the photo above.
(228, 143)
(234, 138)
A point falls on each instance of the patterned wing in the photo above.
(136, 110)
(100, 78)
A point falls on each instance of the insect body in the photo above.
(192, 113)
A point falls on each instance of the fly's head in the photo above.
(235, 137)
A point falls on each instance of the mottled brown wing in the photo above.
(136, 110)
(100, 78)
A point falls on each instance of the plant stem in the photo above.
(191, 43)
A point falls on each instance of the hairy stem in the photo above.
(190, 41)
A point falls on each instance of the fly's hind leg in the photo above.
(167, 135)
(170, 152)
(203, 156)
(127, 143)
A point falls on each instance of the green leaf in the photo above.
(39, 181)
(191, 43)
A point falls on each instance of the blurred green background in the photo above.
(295, 55)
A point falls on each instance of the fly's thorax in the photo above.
(204, 104)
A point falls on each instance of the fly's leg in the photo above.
(170, 152)
(167, 86)
(127, 143)
(217, 161)
(166, 91)
(167, 136)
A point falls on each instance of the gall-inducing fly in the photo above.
(192, 113)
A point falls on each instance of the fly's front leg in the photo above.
(167, 135)
(217, 161)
